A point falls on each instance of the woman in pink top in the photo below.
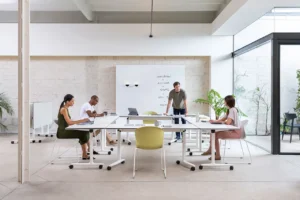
(231, 118)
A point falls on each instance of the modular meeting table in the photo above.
(158, 117)
(107, 123)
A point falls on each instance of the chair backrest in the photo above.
(289, 116)
(149, 137)
(149, 121)
(243, 125)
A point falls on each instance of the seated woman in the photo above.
(231, 118)
(64, 120)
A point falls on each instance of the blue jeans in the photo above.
(179, 112)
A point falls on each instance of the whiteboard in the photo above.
(42, 114)
(154, 84)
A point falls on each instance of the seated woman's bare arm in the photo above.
(64, 112)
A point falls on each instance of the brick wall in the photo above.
(53, 77)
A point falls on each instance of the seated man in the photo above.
(87, 110)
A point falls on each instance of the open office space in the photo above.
(166, 99)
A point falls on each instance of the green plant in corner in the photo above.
(4, 106)
(215, 101)
(297, 108)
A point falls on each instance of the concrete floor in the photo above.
(285, 145)
(269, 177)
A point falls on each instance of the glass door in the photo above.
(290, 98)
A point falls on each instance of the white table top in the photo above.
(99, 123)
(164, 127)
(209, 126)
(155, 116)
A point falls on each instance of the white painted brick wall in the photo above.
(53, 77)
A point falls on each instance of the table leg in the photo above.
(119, 154)
(183, 161)
(103, 150)
(213, 161)
(127, 134)
(91, 161)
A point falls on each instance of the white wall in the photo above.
(126, 40)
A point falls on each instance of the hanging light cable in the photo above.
(151, 19)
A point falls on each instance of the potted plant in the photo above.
(4, 106)
(215, 101)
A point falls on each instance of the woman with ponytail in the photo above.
(231, 118)
(64, 120)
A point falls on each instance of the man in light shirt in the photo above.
(87, 110)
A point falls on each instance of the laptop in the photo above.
(133, 111)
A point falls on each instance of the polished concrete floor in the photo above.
(285, 145)
(269, 177)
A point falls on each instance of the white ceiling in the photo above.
(159, 5)
(119, 5)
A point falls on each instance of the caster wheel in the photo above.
(129, 143)
(200, 167)
(123, 140)
(192, 168)
(98, 140)
(40, 141)
(71, 166)
(100, 166)
(178, 162)
(175, 141)
(169, 143)
(122, 162)
(46, 135)
(202, 141)
(12, 142)
(112, 149)
(191, 153)
(188, 150)
(231, 168)
(33, 141)
(39, 134)
(109, 153)
(51, 135)
(109, 168)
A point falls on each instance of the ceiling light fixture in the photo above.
(150, 36)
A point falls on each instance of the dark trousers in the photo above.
(179, 112)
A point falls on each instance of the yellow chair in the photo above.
(149, 121)
(150, 138)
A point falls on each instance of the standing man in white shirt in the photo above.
(178, 96)
(87, 110)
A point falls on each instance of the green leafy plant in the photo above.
(5, 105)
(297, 108)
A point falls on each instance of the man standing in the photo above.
(87, 110)
(178, 96)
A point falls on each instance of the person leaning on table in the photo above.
(231, 118)
(64, 120)
(178, 96)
